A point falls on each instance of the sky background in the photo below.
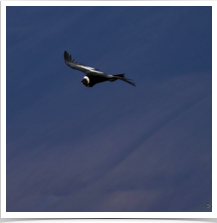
(112, 147)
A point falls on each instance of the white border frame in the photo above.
(62, 215)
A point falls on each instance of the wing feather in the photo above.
(123, 78)
(78, 66)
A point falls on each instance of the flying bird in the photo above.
(93, 76)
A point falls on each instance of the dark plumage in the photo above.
(93, 76)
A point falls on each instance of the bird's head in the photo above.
(86, 81)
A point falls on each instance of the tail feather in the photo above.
(122, 77)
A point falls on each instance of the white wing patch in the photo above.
(78, 66)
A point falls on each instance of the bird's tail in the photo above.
(122, 77)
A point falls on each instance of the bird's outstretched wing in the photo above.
(78, 66)
(123, 78)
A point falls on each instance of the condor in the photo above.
(93, 76)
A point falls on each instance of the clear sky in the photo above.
(112, 147)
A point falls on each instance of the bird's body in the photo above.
(93, 76)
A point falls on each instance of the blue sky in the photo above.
(113, 147)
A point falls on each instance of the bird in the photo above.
(93, 75)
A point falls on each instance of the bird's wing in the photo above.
(123, 78)
(78, 66)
